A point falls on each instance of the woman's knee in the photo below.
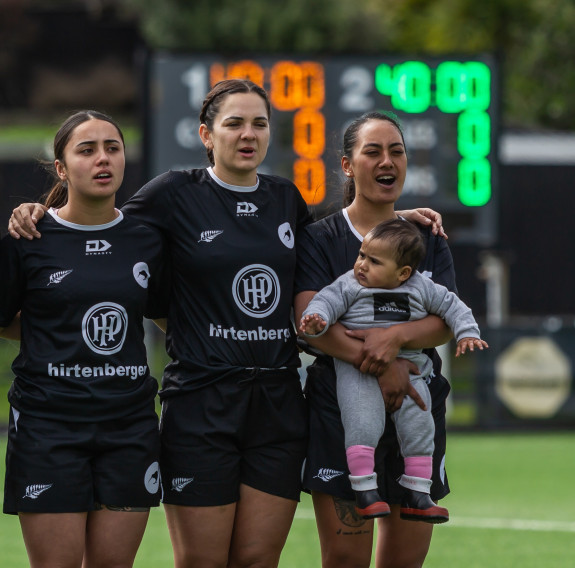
(402, 544)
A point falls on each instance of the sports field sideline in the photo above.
(512, 504)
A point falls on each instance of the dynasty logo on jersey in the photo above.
(98, 247)
(246, 209)
(104, 328)
(256, 290)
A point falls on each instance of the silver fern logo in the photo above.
(57, 277)
(178, 483)
(34, 491)
(209, 236)
(326, 474)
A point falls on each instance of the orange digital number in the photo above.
(293, 87)
(309, 133)
(246, 69)
(313, 85)
(286, 85)
(309, 177)
(302, 86)
(217, 73)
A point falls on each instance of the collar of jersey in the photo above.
(350, 225)
(61, 221)
(242, 188)
(352, 228)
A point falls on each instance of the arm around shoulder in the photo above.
(23, 220)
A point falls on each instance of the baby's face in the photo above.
(375, 266)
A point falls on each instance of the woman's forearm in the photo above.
(336, 343)
(382, 345)
(372, 350)
(431, 331)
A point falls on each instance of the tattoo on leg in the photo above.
(99, 507)
(345, 510)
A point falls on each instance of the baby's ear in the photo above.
(404, 273)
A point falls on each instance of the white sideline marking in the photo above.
(478, 523)
(512, 524)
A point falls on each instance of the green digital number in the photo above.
(408, 84)
(477, 86)
(474, 134)
(474, 185)
(460, 88)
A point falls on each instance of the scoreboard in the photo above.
(447, 108)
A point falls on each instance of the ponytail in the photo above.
(57, 196)
(348, 192)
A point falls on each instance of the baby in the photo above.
(383, 289)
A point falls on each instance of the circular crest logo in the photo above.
(256, 290)
(104, 328)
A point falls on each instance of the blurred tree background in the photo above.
(532, 38)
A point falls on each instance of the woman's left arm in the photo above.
(337, 343)
(381, 345)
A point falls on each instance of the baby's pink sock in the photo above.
(419, 466)
(360, 460)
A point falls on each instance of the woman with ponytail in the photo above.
(83, 445)
(374, 163)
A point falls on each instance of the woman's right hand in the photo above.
(379, 348)
(23, 221)
(395, 385)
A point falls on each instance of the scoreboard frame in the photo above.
(447, 106)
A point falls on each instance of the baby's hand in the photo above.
(312, 324)
(469, 343)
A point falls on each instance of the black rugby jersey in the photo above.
(329, 247)
(233, 261)
(82, 291)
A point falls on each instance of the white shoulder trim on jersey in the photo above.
(54, 213)
(242, 188)
(351, 227)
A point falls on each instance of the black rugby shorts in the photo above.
(249, 428)
(67, 467)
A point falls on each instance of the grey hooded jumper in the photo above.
(359, 397)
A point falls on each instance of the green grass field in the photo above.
(512, 505)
